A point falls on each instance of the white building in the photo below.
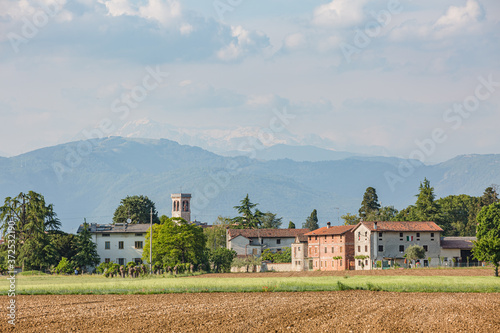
(119, 243)
(255, 241)
(385, 242)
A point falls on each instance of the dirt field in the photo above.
(341, 311)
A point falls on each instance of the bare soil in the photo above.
(339, 311)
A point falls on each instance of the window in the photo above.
(120, 245)
(341, 237)
(366, 262)
(341, 249)
(139, 235)
(418, 234)
(401, 248)
(254, 252)
(326, 250)
(400, 234)
(121, 261)
(105, 235)
(380, 234)
(138, 261)
(138, 244)
(333, 250)
(380, 248)
(315, 237)
(107, 245)
(107, 260)
(425, 248)
(366, 248)
(262, 241)
(359, 248)
(278, 241)
(340, 262)
(432, 234)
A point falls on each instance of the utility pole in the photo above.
(151, 243)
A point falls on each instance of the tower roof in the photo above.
(180, 195)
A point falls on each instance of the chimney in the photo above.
(328, 225)
(375, 225)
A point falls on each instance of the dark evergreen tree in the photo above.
(312, 221)
(370, 205)
(86, 250)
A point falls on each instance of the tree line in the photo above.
(455, 214)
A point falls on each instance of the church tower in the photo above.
(181, 206)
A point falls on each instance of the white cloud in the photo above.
(458, 18)
(457, 21)
(295, 41)
(339, 13)
(162, 11)
(244, 42)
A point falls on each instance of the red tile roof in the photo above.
(266, 233)
(333, 230)
(401, 226)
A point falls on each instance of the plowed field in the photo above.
(339, 311)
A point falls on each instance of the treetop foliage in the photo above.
(137, 208)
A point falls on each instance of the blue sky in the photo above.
(406, 78)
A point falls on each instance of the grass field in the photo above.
(96, 284)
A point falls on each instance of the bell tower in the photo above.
(181, 205)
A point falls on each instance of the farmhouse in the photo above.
(255, 241)
(458, 248)
(120, 242)
(384, 243)
(330, 248)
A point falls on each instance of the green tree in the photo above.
(270, 221)
(489, 196)
(64, 244)
(283, 256)
(216, 235)
(33, 220)
(86, 249)
(64, 266)
(248, 219)
(137, 208)
(175, 241)
(350, 219)
(291, 225)
(487, 246)
(458, 214)
(370, 205)
(426, 208)
(387, 213)
(415, 252)
(312, 221)
(221, 259)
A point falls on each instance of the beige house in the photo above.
(384, 243)
(255, 241)
(300, 261)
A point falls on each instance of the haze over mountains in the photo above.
(87, 179)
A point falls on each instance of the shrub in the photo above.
(64, 266)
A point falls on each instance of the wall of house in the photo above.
(323, 248)
(241, 245)
(384, 245)
(129, 251)
(275, 244)
(299, 257)
(363, 247)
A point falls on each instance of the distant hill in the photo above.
(92, 183)
(296, 153)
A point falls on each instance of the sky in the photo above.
(413, 79)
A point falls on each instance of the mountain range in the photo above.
(87, 179)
